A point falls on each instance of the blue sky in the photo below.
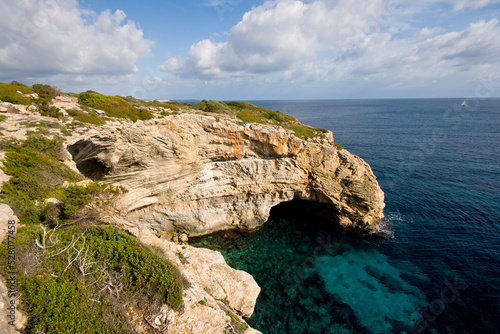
(249, 50)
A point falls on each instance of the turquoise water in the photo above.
(438, 272)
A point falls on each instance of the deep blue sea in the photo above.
(437, 272)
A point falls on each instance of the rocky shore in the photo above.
(193, 173)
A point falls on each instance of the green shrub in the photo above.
(339, 147)
(45, 110)
(3, 118)
(17, 83)
(36, 172)
(303, 131)
(45, 91)
(56, 305)
(46, 125)
(66, 132)
(249, 116)
(140, 270)
(9, 93)
(172, 106)
(45, 95)
(248, 112)
(211, 106)
(89, 117)
(64, 296)
(143, 270)
(75, 196)
(114, 106)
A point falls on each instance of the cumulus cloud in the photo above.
(282, 35)
(55, 37)
(338, 40)
(463, 4)
(474, 48)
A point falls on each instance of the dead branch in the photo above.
(72, 257)
(43, 245)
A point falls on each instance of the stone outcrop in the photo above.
(197, 174)
(217, 296)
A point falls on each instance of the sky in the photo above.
(255, 50)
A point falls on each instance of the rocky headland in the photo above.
(192, 172)
(197, 174)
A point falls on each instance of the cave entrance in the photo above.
(85, 155)
(317, 215)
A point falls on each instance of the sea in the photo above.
(436, 267)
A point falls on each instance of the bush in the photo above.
(56, 305)
(143, 270)
(35, 175)
(17, 83)
(172, 106)
(46, 110)
(114, 106)
(75, 196)
(9, 93)
(89, 117)
(212, 106)
(46, 91)
(86, 276)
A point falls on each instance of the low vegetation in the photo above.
(35, 172)
(89, 117)
(80, 280)
(9, 93)
(114, 106)
(135, 109)
(76, 276)
(249, 113)
(173, 106)
(46, 94)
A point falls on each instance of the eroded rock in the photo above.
(193, 174)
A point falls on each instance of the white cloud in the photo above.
(54, 37)
(474, 49)
(464, 4)
(283, 35)
(341, 41)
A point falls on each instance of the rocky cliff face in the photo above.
(198, 174)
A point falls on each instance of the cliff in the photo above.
(197, 174)
(193, 173)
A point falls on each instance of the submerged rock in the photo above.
(232, 235)
(194, 174)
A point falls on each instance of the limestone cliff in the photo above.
(197, 174)
(193, 173)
